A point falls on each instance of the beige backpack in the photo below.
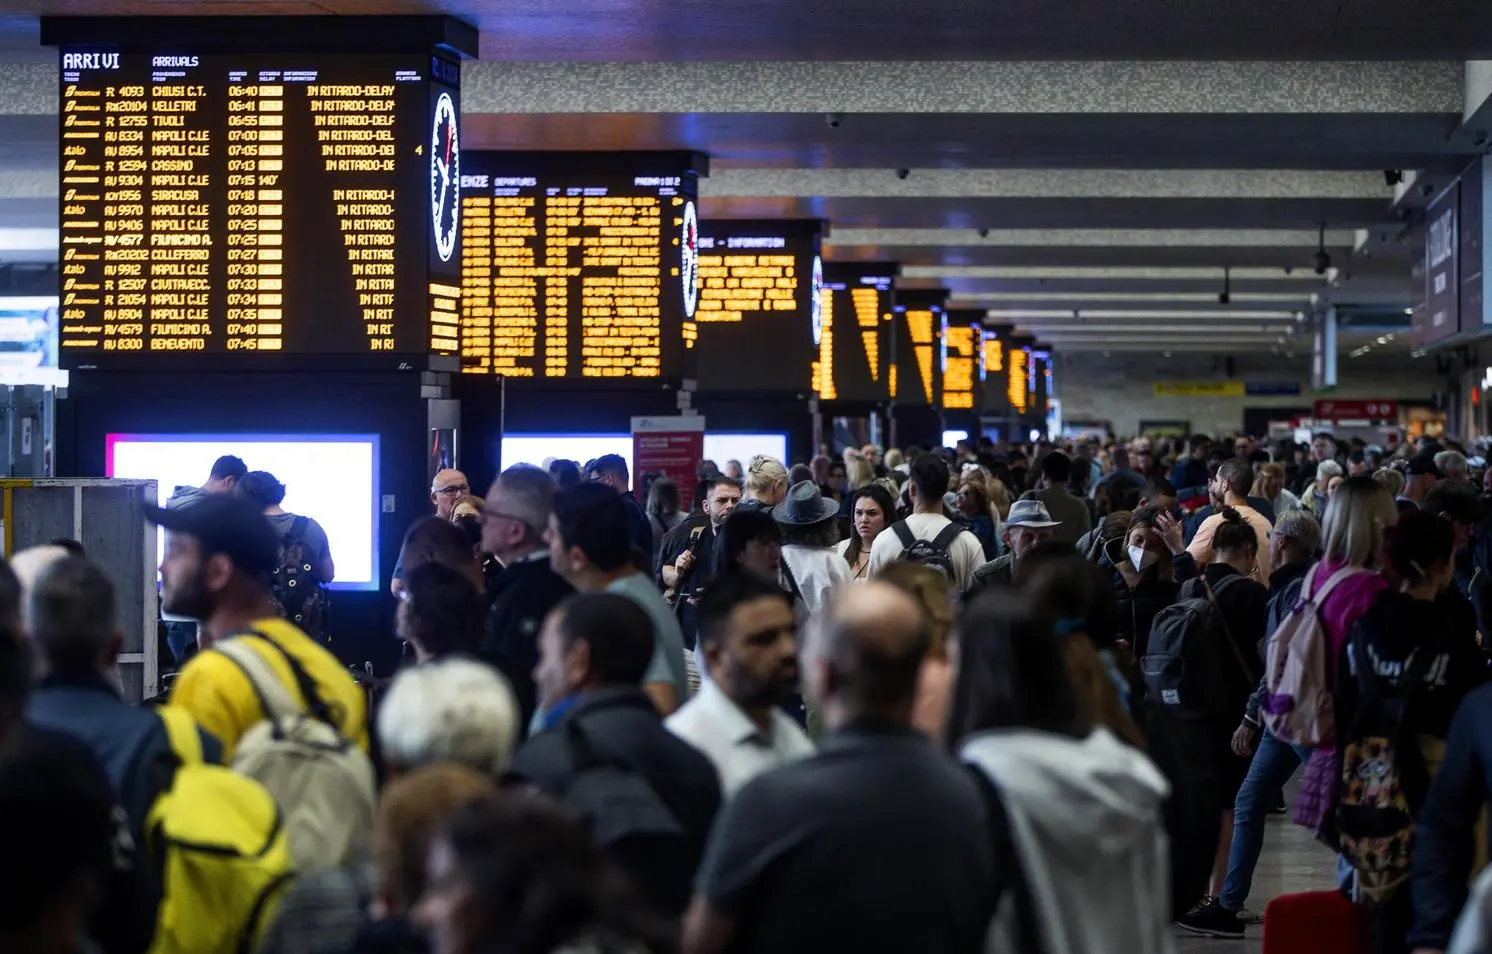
(322, 782)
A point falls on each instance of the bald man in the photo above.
(786, 869)
(449, 486)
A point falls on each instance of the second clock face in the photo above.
(445, 176)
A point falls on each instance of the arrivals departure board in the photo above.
(295, 204)
(994, 369)
(917, 333)
(854, 344)
(578, 266)
(759, 323)
(961, 361)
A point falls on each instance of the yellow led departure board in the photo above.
(1018, 382)
(761, 320)
(857, 311)
(960, 347)
(296, 204)
(920, 324)
(577, 265)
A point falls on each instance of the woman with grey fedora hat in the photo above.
(810, 565)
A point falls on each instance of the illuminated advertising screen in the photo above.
(760, 318)
(290, 203)
(539, 449)
(578, 265)
(332, 478)
(854, 344)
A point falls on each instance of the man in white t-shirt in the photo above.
(927, 483)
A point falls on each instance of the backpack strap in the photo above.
(904, 533)
(316, 706)
(273, 697)
(297, 529)
(181, 734)
(1342, 575)
(946, 536)
(792, 583)
(1222, 619)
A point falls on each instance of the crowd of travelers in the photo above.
(1035, 699)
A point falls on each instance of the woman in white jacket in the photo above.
(1080, 810)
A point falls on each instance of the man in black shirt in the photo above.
(687, 558)
(513, 525)
(611, 470)
(877, 844)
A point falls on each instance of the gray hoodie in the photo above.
(1085, 815)
(185, 497)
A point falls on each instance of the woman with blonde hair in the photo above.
(860, 473)
(1342, 587)
(765, 483)
(935, 683)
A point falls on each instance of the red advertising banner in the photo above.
(670, 447)
(1337, 410)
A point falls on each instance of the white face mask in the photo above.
(1142, 558)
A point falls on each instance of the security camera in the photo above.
(1392, 177)
(983, 233)
(1320, 262)
(903, 173)
(1224, 298)
(832, 120)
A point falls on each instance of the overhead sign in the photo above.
(1369, 410)
(1441, 316)
(1199, 389)
(1271, 388)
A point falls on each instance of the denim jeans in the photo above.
(1274, 762)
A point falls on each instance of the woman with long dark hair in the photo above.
(872, 509)
(1077, 809)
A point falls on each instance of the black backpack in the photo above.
(628, 820)
(1186, 665)
(935, 554)
(298, 595)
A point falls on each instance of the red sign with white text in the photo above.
(1336, 410)
(671, 447)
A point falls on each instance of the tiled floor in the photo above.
(1292, 861)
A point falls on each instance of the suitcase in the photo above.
(1316, 922)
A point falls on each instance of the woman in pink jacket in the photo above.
(1351, 538)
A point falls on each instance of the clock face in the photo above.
(445, 176)
(816, 303)
(689, 262)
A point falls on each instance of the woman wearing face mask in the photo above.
(1146, 567)
(872, 510)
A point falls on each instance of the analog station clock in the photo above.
(445, 177)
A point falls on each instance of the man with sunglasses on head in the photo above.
(513, 524)
(611, 470)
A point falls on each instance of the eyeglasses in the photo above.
(454, 490)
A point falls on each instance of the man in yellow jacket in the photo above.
(221, 555)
